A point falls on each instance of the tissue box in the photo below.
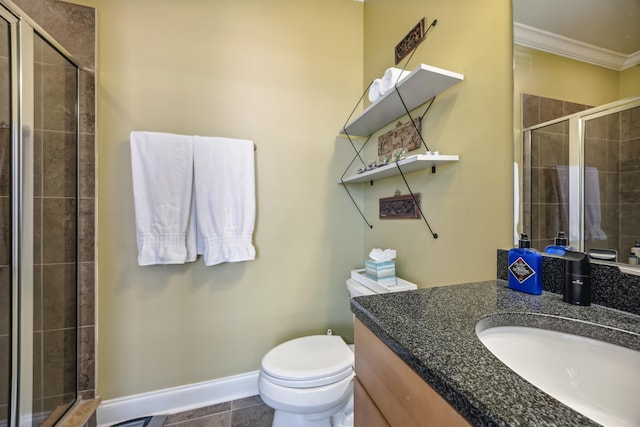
(380, 269)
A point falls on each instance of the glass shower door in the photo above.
(38, 227)
(546, 183)
(611, 179)
(55, 224)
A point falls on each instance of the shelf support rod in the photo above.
(415, 201)
(355, 204)
(415, 129)
(344, 185)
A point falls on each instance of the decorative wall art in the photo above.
(410, 41)
(405, 136)
(400, 207)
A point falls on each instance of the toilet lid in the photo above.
(309, 358)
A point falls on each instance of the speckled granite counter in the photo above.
(433, 331)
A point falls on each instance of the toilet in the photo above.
(308, 381)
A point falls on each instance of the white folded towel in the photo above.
(392, 77)
(224, 177)
(162, 168)
(374, 90)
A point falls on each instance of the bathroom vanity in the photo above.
(387, 389)
(420, 362)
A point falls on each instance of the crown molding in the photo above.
(534, 38)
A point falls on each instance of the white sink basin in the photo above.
(597, 379)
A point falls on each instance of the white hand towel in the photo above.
(162, 168)
(592, 215)
(392, 77)
(592, 228)
(374, 90)
(225, 198)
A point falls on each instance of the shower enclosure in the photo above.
(39, 225)
(581, 175)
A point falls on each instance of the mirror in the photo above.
(578, 172)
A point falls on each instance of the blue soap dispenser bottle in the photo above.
(525, 268)
(560, 245)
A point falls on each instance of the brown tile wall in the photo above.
(71, 25)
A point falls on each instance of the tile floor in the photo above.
(248, 412)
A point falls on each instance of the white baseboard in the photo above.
(178, 399)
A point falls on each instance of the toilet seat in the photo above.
(311, 361)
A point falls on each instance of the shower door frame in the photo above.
(15, 220)
(23, 31)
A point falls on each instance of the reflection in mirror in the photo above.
(577, 148)
(580, 175)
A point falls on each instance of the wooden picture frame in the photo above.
(405, 136)
(400, 207)
(410, 41)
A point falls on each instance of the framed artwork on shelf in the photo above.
(405, 136)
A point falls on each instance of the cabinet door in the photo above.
(366, 412)
(401, 395)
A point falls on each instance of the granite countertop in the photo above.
(433, 331)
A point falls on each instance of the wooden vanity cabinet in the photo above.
(389, 393)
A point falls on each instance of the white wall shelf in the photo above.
(409, 164)
(422, 84)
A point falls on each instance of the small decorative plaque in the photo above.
(399, 207)
(410, 41)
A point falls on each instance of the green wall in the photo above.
(468, 203)
(283, 74)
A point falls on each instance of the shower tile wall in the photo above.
(73, 26)
(545, 211)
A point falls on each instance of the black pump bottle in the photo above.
(577, 278)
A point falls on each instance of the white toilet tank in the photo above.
(356, 289)
(367, 286)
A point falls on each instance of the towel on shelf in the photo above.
(374, 90)
(392, 76)
(162, 169)
(380, 87)
(224, 178)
